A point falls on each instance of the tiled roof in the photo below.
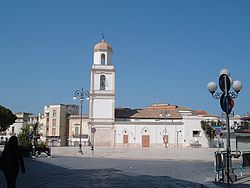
(162, 106)
(167, 107)
(147, 113)
(199, 112)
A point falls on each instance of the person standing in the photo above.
(11, 161)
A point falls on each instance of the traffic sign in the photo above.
(226, 103)
(217, 130)
(93, 130)
(224, 83)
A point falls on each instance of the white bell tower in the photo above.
(102, 95)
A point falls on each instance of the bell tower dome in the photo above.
(103, 53)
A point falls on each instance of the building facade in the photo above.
(76, 130)
(160, 125)
(21, 121)
(56, 123)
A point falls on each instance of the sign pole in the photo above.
(226, 89)
(227, 103)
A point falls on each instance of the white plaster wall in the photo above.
(103, 108)
(75, 121)
(97, 58)
(109, 84)
(17, 128)
(234, 121)
(192, 123)
(156, 133)
(109, 60)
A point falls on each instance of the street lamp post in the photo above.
(226, 97)
(178, 137)
(81, 94)
(165, 139)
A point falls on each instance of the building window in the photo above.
(54, 113)
(102, 82)
(103, 59)
(196, 133)
(76, 131)
(53, 131)
(53, 122)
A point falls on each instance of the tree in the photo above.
(208, 128)
(244, 125)
(7, 118)
(23, 136)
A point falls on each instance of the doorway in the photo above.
(145, 141)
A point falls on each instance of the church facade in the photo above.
(158, 125)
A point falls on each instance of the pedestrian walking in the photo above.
(10, 162)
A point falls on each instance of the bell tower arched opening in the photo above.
(103, 62)
(102, 82)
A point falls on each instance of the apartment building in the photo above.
(56, 123)
(21, 121)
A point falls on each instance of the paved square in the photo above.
(125, 168)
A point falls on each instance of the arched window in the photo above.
(103, 59)
(102, 82)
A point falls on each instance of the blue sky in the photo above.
(164, 51)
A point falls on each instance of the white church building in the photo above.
(158, 125)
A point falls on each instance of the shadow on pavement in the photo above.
(44, 175)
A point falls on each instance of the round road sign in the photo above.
(93, 130)
(226, 103)
(224, 83)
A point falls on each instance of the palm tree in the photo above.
(24, 136)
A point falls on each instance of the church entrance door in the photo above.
(145, 141)
(125, 139)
